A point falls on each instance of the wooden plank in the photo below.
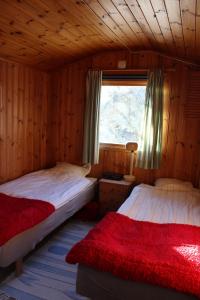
(18, 267)
(33, 34)
(139, 16)
(188, 10)
(3, 171)
(105, 18)
(84, 15)
(121, 22)
(197, 31)
(36, 26)
(149, 14)
(62, 24)
(23, 103)
(123, 8)
(47, 34)
(174, 16)
(163, 21)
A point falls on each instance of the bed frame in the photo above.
(98, 285)
(19, 267)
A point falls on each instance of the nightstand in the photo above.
(112, 193)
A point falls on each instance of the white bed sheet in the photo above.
(148, 203)
(46, 185)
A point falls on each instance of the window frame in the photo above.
(108, 82)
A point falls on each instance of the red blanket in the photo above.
(19, 214)
(163, 254)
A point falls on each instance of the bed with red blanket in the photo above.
(122, 258)
(33, 205)
(20, 214)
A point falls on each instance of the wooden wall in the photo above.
(181, 141)
(23, 120)
(42, 115)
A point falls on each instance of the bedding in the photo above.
(173, 184)
(161, 208)
(163, 254)
(24, 242)
(66, 193)
(47, 185)
(20, 214)
(72, 170)
(176, 187)
(149, 203)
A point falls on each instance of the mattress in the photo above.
(148, 203)
(49, 185)
(21, 244)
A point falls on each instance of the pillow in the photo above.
(72, 170)
(172, 184)
(176, 187)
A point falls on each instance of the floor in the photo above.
(46, 275)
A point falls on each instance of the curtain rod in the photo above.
(137, 70)
(182, 60)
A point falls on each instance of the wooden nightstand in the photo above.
(112, 193)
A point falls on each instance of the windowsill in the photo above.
(112, 146)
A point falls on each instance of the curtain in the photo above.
(91, 122)
(150, 150)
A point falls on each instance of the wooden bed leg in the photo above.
(19, 267)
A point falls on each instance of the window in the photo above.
(121, 113)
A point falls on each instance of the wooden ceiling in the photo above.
(48, 33)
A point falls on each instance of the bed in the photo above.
(176, 203)
(65, 187)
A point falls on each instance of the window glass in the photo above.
(121, 114)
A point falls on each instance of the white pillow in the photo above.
(172, 184)
(72, 170)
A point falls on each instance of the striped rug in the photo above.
(3, 296)
(46, 275)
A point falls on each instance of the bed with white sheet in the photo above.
(155, 204)
(64, 186)
(172, 202)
